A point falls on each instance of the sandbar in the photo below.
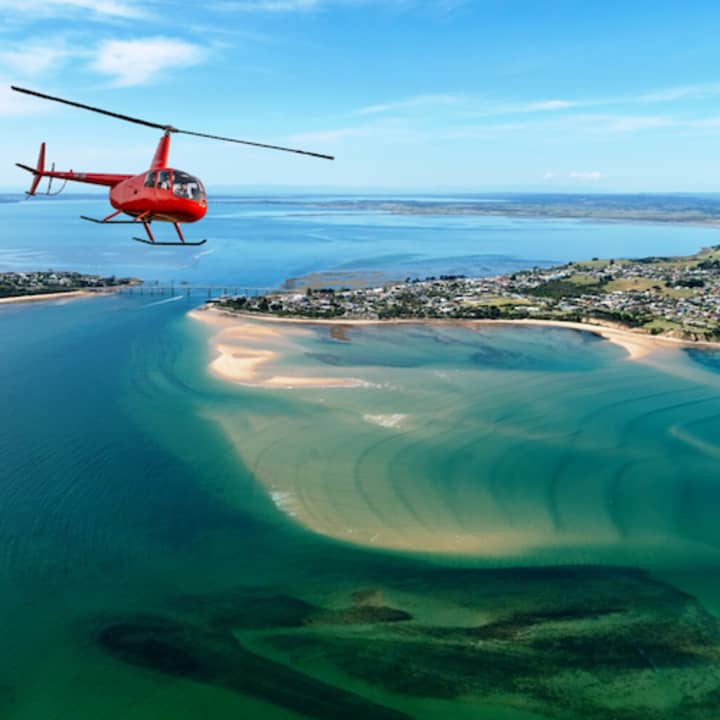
(637, 344)
(361, 477)
(245, 354)
(44, 297)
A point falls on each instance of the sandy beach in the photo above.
(246, 353)
(636, 344)
(45, 297)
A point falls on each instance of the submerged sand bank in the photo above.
(369, 468)
(637, 344)
(247, 354)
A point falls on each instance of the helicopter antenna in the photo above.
(167, 128)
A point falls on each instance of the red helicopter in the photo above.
(162, 193)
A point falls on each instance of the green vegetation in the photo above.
(19, 284)
(570, 288)
(678, 296)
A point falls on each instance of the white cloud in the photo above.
(586, 175)
(289, 6)
(666, 95)
(471, 106)
(681, 92)
(33, 59)
(549, 175)
(406, 103)
(633, 123)
(543, 105)
(386, 131)
(135, 62)
(92, 9)
(271, 6)
(15, 104)
(330, 136)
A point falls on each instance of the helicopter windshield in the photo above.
(187, 186)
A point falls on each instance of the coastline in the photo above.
(638, 345)
(246, 354)
(44, 297)
(351, 491)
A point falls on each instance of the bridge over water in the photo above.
(188, 289)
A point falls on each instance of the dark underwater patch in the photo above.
(245, 609)
(217, 658)
(358, 359)
(565, 642)
(709, 359)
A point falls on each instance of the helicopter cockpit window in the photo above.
(187, 186)
(164, 180)
(150, 179)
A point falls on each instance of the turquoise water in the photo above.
(502, 444)
(139, 491)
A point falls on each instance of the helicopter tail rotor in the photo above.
(36, 171)
(39, 173)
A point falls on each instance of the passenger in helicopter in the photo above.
(187, 186)
(163, 180)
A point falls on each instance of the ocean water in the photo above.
(505, 522)
(251, 242)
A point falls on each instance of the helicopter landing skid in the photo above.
(151, 239)
(181, 244)
(145, 219)
(108, 222)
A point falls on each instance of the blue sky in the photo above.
(594, 95)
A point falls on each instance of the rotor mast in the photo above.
(160, 159)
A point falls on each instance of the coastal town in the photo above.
(676, 297)
(22, 284)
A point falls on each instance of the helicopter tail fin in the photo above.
(36, 171)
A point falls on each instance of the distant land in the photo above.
(676, 208)
(679, 208)
(48, 284)
(695, 209)
(676, 297)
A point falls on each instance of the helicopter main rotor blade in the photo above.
(166, 128)
(254, 144)
(135, 120)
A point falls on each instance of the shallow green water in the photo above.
(531, 444)
(158, 494)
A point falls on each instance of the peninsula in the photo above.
(675, 297)
(49, 284)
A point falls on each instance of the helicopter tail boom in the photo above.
(39, 172)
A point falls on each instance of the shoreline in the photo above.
(44, 297)
(354, 498)
(246, 354)
(637, 344)
(712, 223)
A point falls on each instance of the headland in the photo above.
(40, 286)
